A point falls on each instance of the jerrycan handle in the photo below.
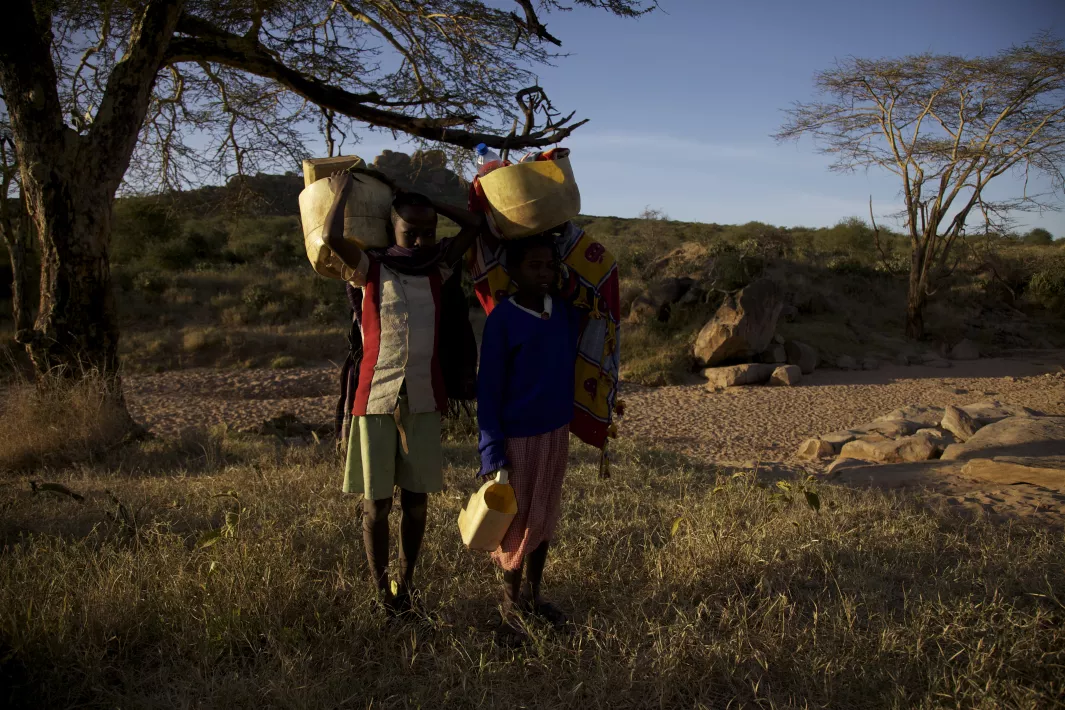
(502, 476)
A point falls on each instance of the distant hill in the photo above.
(265, 195)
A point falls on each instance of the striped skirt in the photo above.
(537, 467)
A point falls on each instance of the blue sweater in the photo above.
(525, 383)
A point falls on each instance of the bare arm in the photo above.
(333, 231)
(472, 224)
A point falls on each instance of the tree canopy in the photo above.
(946, 126)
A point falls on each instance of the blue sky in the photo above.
(683, 103)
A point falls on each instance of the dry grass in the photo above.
(689, 588)
(57, 421)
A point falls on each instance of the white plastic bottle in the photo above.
(487, 160)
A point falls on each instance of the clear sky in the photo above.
(683, 103)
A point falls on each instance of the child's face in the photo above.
(537, 271)
(415, 227)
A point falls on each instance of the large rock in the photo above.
(896, 475)
(813, 449)
(965, 350)
(738, 375)
(786, 376)
(870, 363)
(801, 354)
(925, 416)
(1015, 437)
(994, 411)
(846, 362)
(643, 310)
(742, 327)
(776, 354)
(939, 438)
(958, 423)
(838, 438)
(908, 448)
(657, 302)
(1031, 471)
(890, 428)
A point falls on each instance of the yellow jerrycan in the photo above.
(484, 520)
(367, 213)
(529, 198)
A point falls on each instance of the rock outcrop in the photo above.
(743, 326)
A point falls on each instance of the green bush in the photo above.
(255, 297)
(272, 241)
(1047, 287)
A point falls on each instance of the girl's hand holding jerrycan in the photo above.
(484, 520)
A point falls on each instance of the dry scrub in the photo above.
(57, 421)
(226, 571)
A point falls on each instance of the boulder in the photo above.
(786, 376)
(656, 303)
(778, 339)
(814, 449)
(801, 354)
(1015, 437)
(993, 411)
(902, 360)
(789, 312)
(838, 438)
(941, 439)
(737, 375)
(742, 327)
(643, 310)
(897, 475)
(846, 362)
(775, 354)
(1010, 473)
(908, 448)
(672, 290)
(925, 416)
(965, 350)
(958, 423)
(870, 363)
(889, 428)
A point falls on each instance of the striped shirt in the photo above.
(400, 335)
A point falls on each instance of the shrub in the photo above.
(1047, 287)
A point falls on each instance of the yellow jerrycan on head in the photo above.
(484, 520)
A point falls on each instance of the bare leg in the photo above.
(411, 533)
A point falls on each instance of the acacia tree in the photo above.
(162, 93)
(946, 126)
(14, 229)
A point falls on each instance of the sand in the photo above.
(740, 427)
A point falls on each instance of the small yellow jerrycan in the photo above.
(484, 520)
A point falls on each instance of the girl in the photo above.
(400, 391)
(525, 397)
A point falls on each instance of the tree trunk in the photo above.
(916, 295)
(915, 315)
(16, 234)
(76, 331)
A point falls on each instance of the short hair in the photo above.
(516, 249)
(408, 199)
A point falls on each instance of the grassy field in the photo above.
(226, 571)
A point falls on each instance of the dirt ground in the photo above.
(739, 427)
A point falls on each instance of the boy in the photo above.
(395, 435)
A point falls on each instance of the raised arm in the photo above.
(333, 232)
(471, 224)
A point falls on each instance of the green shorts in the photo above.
(376, 461)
